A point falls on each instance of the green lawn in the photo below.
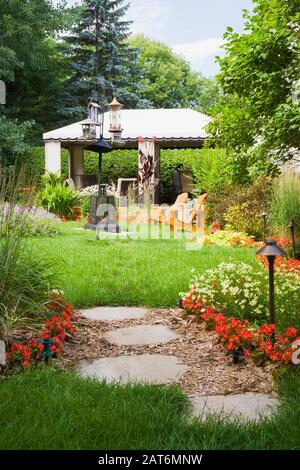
(127, 272)
(48, 409)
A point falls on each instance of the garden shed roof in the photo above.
(171, 127)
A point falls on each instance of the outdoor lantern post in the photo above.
(264, 216)
(115, 127)
(271, 251)
(291, 226)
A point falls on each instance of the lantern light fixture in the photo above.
(115, 127)
(271, 251)
(89, 129)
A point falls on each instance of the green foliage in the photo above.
(258, 118)
(245, 218)
(31, 63)
(52, 179)
(240, 206)
(285, 204)
(58, 199)
(12, 141)
(212, 170)
(85, 205)
(209, 166)
(167, 80)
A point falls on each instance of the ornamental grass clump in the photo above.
(285, 205)
(26, 280)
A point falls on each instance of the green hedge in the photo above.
(209, 166)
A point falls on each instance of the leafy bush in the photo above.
(212, 170)
(59, 199)
(240, 206)
(245, 218)
(228, 238)
(285, 204)
(241, 290)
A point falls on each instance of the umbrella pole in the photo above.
(99, 183)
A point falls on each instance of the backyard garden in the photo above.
(150, 338)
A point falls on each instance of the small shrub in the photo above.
(59, 199)
(228, 238)
(240, 206)
(244, 218)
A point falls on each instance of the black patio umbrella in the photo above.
(100, 146)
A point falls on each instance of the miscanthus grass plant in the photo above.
(25, 279)
(285, 204)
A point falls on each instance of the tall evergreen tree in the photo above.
(101, 60)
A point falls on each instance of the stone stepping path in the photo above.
(248, 406)
(141, 335)
(113, 313)
(154, 369)
(161, 368)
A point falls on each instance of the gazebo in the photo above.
(154, 128)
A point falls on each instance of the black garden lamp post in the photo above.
(264, 216)
(271, 251)
(291, 226)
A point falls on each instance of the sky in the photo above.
(193, 28)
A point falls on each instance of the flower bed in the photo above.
(51, 340)
(227, 238)
(242, 339)
(241, 290)
(33, 221)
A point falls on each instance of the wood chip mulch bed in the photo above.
(210, 370)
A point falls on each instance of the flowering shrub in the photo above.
(241, 290)
(33, 221)
(228, 238)
(234, 288)
(276, 347)
(51, 339)
(287, 289)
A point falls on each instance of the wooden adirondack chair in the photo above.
(180, 216)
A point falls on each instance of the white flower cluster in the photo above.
(239, 289)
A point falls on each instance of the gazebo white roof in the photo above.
(169, 126)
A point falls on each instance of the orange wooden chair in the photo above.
(180, 216)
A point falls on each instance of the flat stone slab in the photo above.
(249, 406)
(147, 368)
(113, 313)
(141, 335)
